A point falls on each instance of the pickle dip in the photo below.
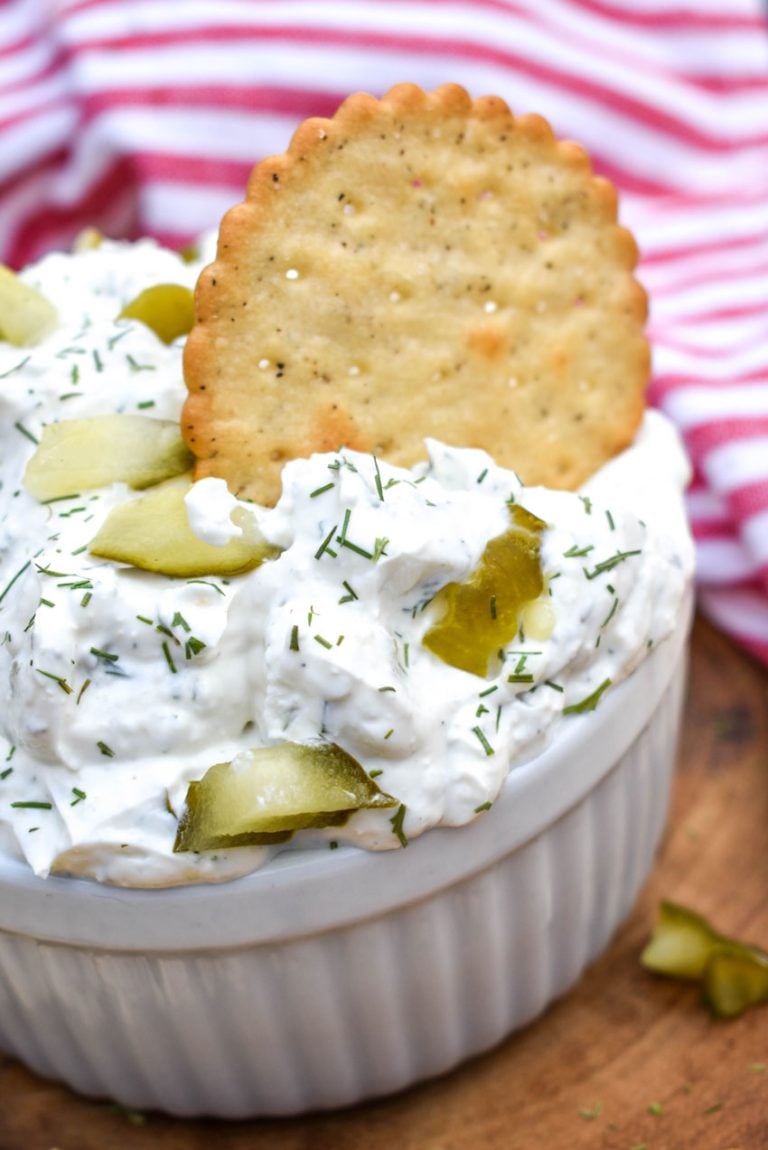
(124, 686)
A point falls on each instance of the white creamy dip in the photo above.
(123, 686)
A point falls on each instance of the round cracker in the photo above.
(420, 265)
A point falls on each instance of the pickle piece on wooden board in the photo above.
(266, 794)
(482, 614)
(26, 316)
(153, 533)
(168, 309)
(79, 454)
(735, 980)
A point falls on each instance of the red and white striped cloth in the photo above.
(145, 116)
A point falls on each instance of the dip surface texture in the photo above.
(121, 687)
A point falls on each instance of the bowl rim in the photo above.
(311, 891)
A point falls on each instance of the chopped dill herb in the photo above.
(488, 691)
(482, 475)
(16, 367)
(323, 642)
(179, 621)
(518, 678)
(656, 1109)
(105, 750)
(4, 774)
(351, 594)
(610, 614)
(397, 825)
(357, 550)
(554, 686)
(107, 656)
(32, 805)
(609, 564)
(145, 619)
(481, 710)
(591, 1112)
(379, 548)
(294, 643)
(80, 796)
(134, 366)
(83, 689)
(374, 774)
(28, 434)
(389, 733)
(168, 657)
(321, 490)
(206, 583)
(193, 647)
(97, 361)
(325, 545)
(609, 517)
(483, 741)
(576, 552)
(382, 690)
(483, 807)
(587, 503)
(590, 702)
(58, 679)
(377, 479)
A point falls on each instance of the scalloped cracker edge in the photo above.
(420, 265)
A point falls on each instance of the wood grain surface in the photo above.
(625, 1062)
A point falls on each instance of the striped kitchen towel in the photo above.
(145, 116)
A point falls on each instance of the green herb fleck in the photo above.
(321, 490)
(325, 545)
(323, 642)
(477, 731)
(83, 689)
(483, 807)
(105, 750)
(58, 679)
(656, 1109)
(80, 796)
(294, 643)
(590, 1113)
(397, 825)
(590, 702)
(609, 564)
(169, 657)
(32, 806)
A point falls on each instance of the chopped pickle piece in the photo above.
(681, 943)
(78, 454)
(264, 795)
(26, 316)
(168, 309)
(482, 614)
(153, 533)
(88, 240)
(735, 980)
(734, 974)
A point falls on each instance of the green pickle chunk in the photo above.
(78, 454)
(153, 533)
(168, 309)
(26, 316)
(733, 974)
(483, 614)
(265, 795)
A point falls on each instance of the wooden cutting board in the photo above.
(625, 1062)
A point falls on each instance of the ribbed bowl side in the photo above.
(327, 1020)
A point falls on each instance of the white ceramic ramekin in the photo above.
(333, 976)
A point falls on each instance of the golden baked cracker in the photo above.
(420, 265)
